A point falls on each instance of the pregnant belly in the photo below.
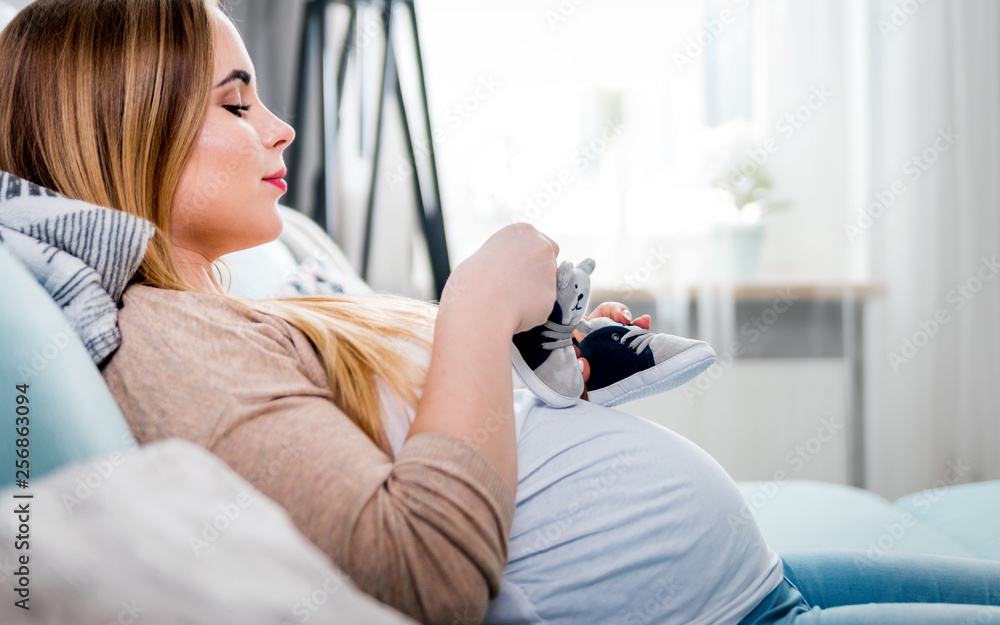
(619, 519)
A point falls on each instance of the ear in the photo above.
(565, 275)
(587, 265)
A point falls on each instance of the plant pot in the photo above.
(737, 250)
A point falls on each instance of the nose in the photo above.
(278, 134)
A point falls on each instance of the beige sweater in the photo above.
(425, 532)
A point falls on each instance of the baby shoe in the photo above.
(543, 356)
(546, 362)
(628, 362)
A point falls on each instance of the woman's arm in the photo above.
(506, 287)
(425, 532)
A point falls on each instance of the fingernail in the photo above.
(627, 314)
(580, 364)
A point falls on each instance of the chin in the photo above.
(260, 231)
(277, 225)
(267, 227)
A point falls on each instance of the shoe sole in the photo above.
(535, 384)
(688, 363)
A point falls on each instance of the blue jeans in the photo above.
(848, 588)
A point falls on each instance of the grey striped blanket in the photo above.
(84, 255)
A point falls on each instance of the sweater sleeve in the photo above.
(424, 532)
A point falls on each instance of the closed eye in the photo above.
(237, 109)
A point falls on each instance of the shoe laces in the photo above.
(561, 335)
(640, 338)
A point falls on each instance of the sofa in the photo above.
(113, 531)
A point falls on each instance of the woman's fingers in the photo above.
(585, 370)
(612, 310)
(620, 313)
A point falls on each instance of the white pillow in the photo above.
(303, 261)
(167, 531)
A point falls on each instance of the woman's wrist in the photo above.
(462, 300)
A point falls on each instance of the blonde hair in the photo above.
(103, 101)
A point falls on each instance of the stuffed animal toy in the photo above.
(544, 357)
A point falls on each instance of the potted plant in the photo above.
(735, 162)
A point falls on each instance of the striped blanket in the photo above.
(84, 255)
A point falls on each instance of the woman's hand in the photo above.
(611, 310)
(511, 279)
(507, 286)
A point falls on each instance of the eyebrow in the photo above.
(237, 74)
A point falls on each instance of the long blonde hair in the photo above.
(103, 101)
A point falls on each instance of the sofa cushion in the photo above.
(72, 415)
(806, 516)
(968, 513)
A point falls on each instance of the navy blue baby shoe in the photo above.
(628, 362)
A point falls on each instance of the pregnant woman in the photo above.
(496, 507)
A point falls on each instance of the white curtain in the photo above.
(911, 121)
(935, 130)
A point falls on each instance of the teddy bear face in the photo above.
(573, 290)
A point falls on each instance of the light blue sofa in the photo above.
(961, 520)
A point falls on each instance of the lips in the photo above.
(277, 179)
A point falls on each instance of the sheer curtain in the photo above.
(897, 181)
(935, 354)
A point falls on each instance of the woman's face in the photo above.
(229, 189)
